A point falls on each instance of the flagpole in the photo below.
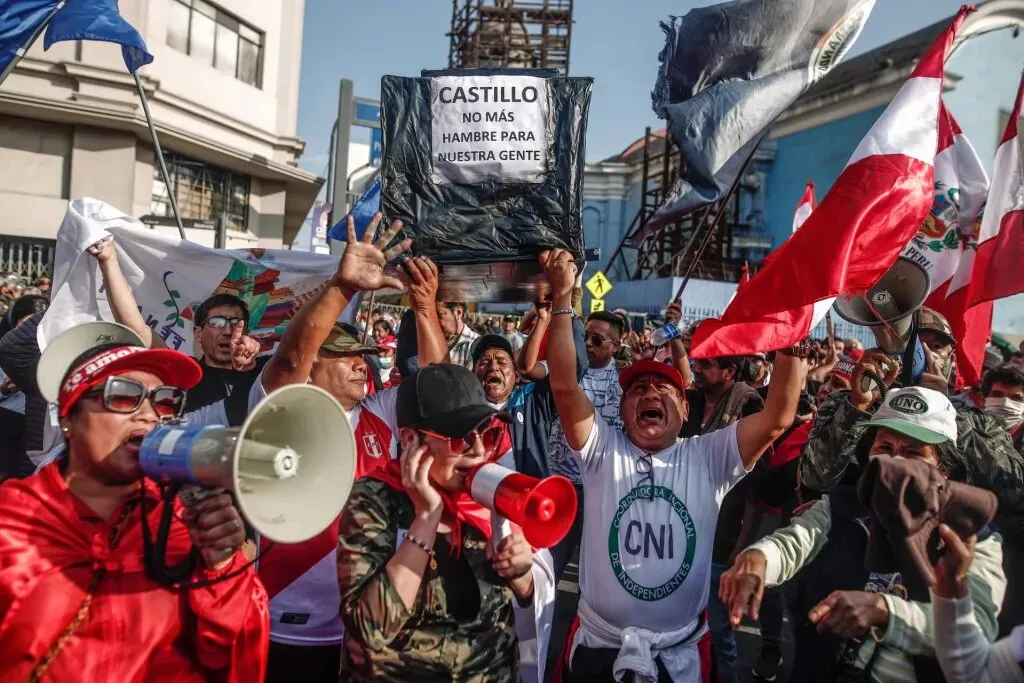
(159, 154)
(22, 51)
(369, 317)
(713, 227)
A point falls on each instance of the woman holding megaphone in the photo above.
(76, 600)
(428, 589)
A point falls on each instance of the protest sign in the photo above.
(485, 166)
(170, 277)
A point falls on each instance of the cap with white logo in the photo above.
(922, 414)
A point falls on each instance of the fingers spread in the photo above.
(350, 229)
(389, 234)
(371, 229)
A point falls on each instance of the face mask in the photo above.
(1006, 411)
(386, 363)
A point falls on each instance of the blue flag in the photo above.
(98, 20)
(19, 19)
(362, 213)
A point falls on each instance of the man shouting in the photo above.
(650, 506)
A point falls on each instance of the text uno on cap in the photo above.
(909, 404)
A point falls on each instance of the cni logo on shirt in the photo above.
(659, 555)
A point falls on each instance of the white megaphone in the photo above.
(544, 508)
(291, 465)
(888, 308)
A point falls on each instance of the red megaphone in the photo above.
(544, 508)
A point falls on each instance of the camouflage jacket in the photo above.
(983, 447)
(384, 641)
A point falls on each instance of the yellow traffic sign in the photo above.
(596, 305)
(599, 286)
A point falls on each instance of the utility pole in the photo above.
(339, 191)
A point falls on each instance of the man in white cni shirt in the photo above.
(650, 506)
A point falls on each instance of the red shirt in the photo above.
(51, 547)
(302, 578)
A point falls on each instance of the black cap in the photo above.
(447, 399)
(490, 341)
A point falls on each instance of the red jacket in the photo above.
(52, 544)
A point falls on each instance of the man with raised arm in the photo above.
(650, 505)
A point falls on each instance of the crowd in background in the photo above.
(789, 442)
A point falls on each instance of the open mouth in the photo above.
(134, 441)
(651, 414)
(494, 380)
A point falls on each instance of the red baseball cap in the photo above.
(651, 367)
(172, 367)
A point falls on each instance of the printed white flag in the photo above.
(169, 277)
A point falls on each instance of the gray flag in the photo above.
(728, 71)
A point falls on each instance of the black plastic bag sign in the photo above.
(489, 128)
(485, 166)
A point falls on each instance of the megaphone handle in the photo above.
(192, 496)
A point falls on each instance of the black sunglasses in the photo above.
(219, 321)
(125, 395)
(594, 339)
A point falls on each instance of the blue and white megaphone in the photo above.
(889, 309)
(291, 465)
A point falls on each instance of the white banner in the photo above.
(170, 277)
(489, 128)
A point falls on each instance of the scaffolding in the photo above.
(510, 34)
(690, 245)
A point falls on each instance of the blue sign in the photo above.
(367, 114)
(376, 149)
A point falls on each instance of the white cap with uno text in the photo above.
(922, 414)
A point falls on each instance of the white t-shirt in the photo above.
(601, 385)
(647, 563)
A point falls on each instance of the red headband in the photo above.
(172, 367)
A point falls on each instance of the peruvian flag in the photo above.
(998, 262)
(857, 232)
(804, 208)
(940, 245)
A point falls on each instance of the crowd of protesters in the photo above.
(886, 518)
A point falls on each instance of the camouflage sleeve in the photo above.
(990, 459)
(829, 450)
(370, 607)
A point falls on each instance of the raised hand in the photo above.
(421, 276)
(560, 270)
(104, 250)
(416, 462)
(674, 312)
(362, 265)
(876, 362)
(953, 564)
(243, 350)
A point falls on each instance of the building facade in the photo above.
(223, 90)
(814, 139)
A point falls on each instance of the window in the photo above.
(216, 38)
(203, 192)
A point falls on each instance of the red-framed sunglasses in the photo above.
(125, 395)
(490, 432)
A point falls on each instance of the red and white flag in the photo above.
(941, 243)
(998, 261)
(857, 232)
(804, 208)
(744, 279)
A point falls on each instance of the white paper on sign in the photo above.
(489, 128)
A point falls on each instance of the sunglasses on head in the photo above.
(490, 432)
(125, 395)
(219, 321)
